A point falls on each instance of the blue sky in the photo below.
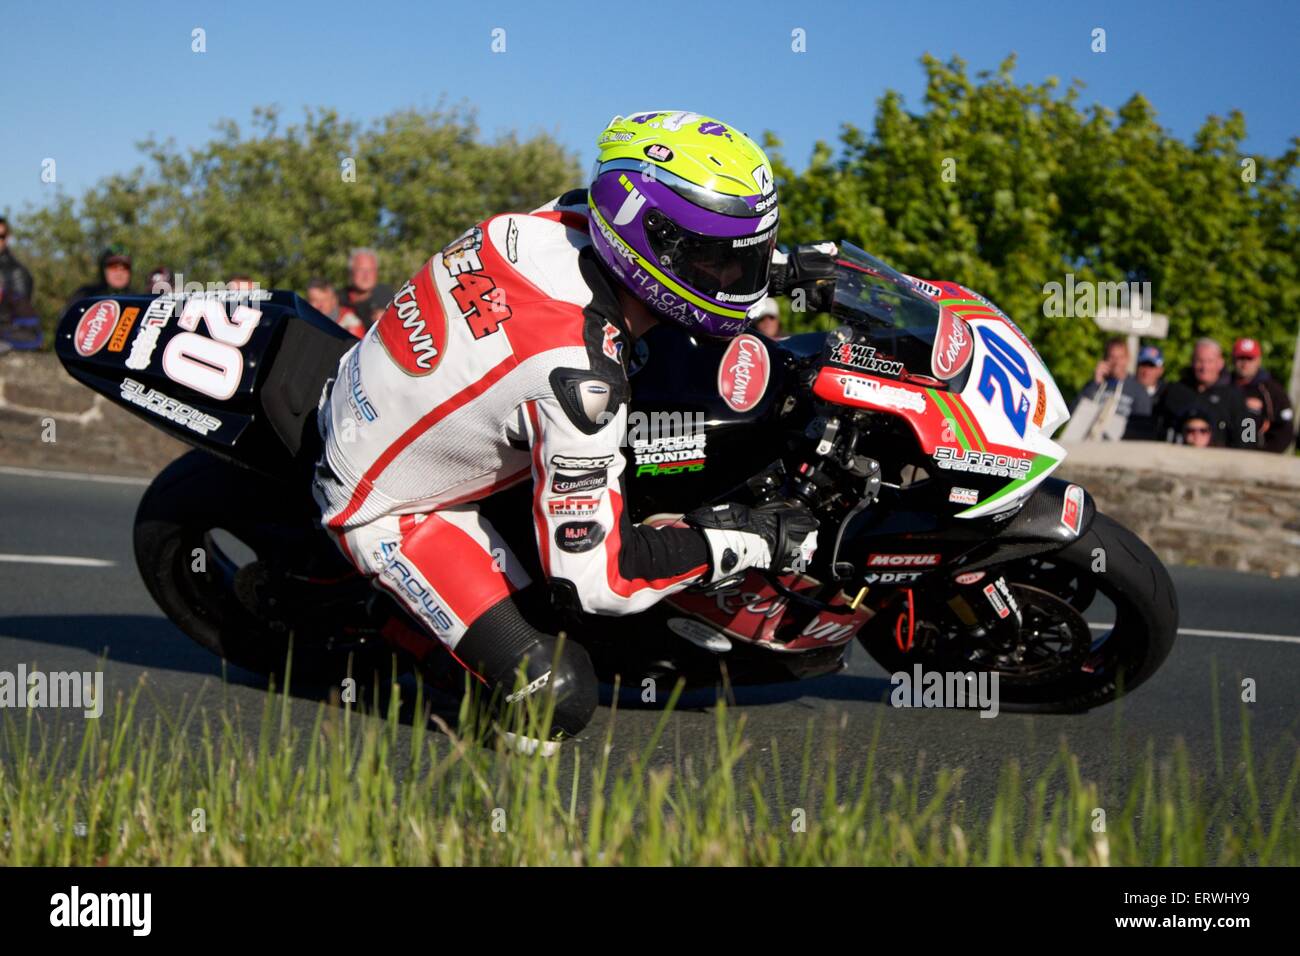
(85, 81)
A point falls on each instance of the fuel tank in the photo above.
(704, 415)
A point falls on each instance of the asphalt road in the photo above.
(65, 616)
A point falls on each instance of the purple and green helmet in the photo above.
(683, 210)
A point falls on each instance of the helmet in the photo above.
(683, 210)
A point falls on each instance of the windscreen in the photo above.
(884, 309)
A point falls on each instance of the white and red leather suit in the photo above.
(503, 360)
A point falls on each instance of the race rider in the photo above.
(505, 360)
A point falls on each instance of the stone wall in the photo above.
(49, 421)
(1238, 510)
(1215, 507)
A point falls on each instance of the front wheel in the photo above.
(1058, 664)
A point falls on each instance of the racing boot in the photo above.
(499, 645)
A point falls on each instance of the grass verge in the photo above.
(375, 789)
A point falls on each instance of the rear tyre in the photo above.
(185, 532)
(1117, 661)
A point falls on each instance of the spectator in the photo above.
(16, 291)
(1198, 431)
(768, 322)
(1265, 398)
(1150, 376)
(160, 281)
(114, 275)
(240, 283)
(325, 300)
(364, 295)
(1112, 399)
(1205, 387)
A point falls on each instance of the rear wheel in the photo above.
(234, 560)
(1057, 663)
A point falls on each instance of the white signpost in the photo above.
(1138, 324)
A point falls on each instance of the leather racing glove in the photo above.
(779, 536)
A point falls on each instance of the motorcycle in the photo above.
(918, 431)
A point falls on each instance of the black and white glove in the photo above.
(776, 537)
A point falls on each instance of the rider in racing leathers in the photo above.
(504, 360)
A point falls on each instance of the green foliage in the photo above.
(361, 788)
(1040, 188)
(277, 206)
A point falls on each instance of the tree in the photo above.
(1006, 188)
(287, 203)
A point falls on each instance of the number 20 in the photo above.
(214, 365)
(1000, 361)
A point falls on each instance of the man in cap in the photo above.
(1148, 423)
(1206, 388)
(114, 275)
(1264, 396)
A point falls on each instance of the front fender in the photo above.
(1044, 515)
(1055, 515)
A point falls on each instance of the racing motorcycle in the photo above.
(918, 430)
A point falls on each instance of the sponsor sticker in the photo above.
(952, 458)
(753, 240)
(512, 241)
(969, 577)
(577, 537)
(573, 506)
(612, 344)
(565, 484)
(1072, 509)
(361, 406)
(156, 316)
(669, 456)
(461, 255)
(417, 594)
(953, 345)
(1040, 407)
(892, 577)
(964, 496)
(933, 291)
(95, 327)
(659, 153)
(879, 395)
(995, 599)
(903, 560)
(413, 339)
(577, 464)
(123, 330)
(1007, 596)
(159, 404)
(743, 373)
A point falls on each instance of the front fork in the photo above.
(981, 602)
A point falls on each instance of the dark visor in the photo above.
(732, 269)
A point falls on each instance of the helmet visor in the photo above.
(730, 269)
